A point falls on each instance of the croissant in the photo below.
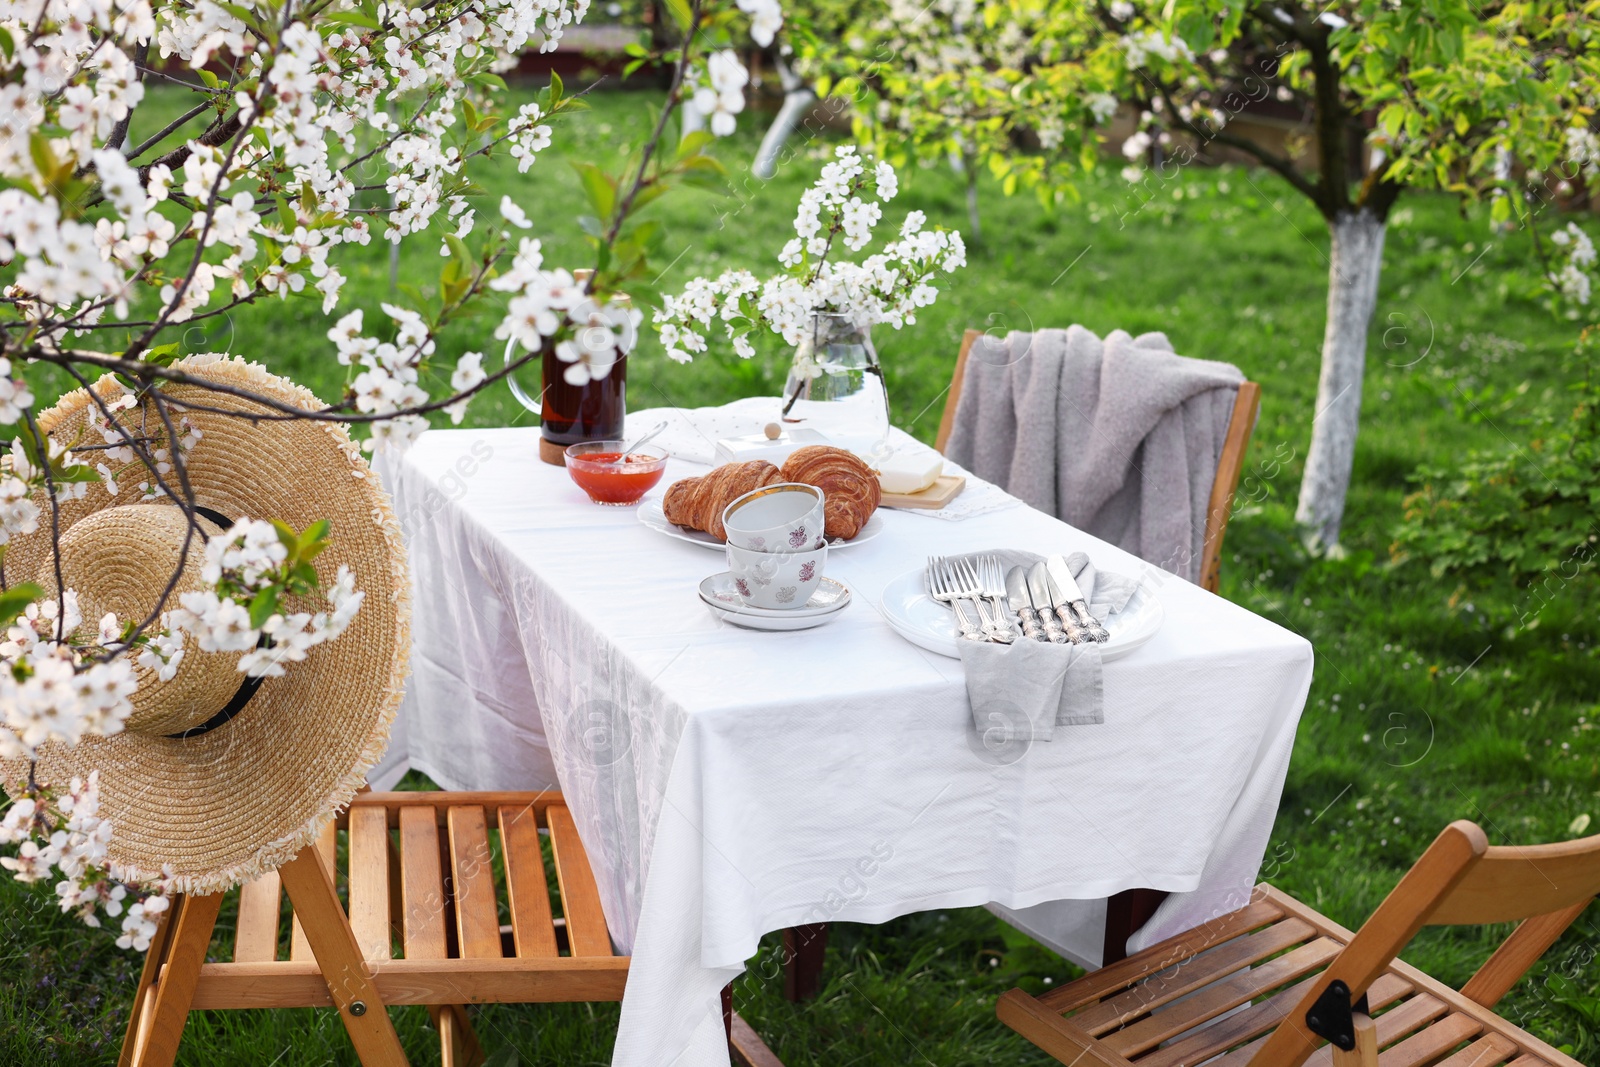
(849, 487)
(698, 503)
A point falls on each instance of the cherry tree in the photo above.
(1484, 100)
(110, 248)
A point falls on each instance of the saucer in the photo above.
(719, 595)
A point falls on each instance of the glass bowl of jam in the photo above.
(609, 477)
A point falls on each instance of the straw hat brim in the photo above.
(220, 808)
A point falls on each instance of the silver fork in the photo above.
(970, 585)
(994, 587)
(941, 586)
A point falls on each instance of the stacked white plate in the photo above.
(718, 594)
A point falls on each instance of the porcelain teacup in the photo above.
(779, 580)
(786, 517)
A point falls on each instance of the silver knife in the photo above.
(1039, 592)
(1022, 606)
(1073, 599)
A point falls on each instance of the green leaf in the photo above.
(598, 187)
(694, 142)
(681, 14)
(15, 601)
(459, 250)
(161, 355)
(264, 606)
(352, 18)
(286, 534)
(315, 534)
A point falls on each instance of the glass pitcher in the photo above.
(836, 386)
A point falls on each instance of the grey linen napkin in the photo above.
(1026, 689)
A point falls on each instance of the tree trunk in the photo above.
(1357, 259)
(797, 101)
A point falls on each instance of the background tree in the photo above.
(1482, 100)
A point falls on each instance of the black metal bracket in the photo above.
(1332, 1017)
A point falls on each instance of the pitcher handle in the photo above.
(529, 402)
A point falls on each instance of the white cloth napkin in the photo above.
(1023, 691)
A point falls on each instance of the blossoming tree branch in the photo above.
(110, 247)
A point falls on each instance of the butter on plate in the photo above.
(909, 470)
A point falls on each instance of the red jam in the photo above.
(608, 478)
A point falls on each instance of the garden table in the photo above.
(728, 783)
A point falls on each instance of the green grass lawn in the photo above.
(1430, 703)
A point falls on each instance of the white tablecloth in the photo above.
(728, 783)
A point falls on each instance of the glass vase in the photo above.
(836, 386)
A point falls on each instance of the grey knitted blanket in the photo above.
(1119, 438)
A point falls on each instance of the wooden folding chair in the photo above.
(1229, 466)
(425, 874)
(1276, 984)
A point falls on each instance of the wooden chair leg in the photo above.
(140, 1013)
(173, 970)
(1365, 1054)
(327, 930)
(804, 949)
(458, 1041)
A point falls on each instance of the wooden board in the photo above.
(937, 495)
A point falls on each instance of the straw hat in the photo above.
(215, 775)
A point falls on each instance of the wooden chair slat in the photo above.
(421, 885)
(1426, 1046)
(1490, 1050)
(1241, 1026)
(528, 892)
(328, 849)
(1529, 1060)
(580, 897)
(1055, 1035)
(1221, 996)
(369, 882)
(256, 940)
(1124, 973)
(441, 801)
(477, 913)
(1384, 992)
(1170, 984)
(1511, 884)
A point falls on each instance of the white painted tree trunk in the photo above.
(797, 101)
(1357, 260)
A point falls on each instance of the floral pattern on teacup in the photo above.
(786, 594)
(808, 570)
(744, 589)
(797, 538)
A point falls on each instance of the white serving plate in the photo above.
(651, 515)
(718, 594)
(925, 622)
